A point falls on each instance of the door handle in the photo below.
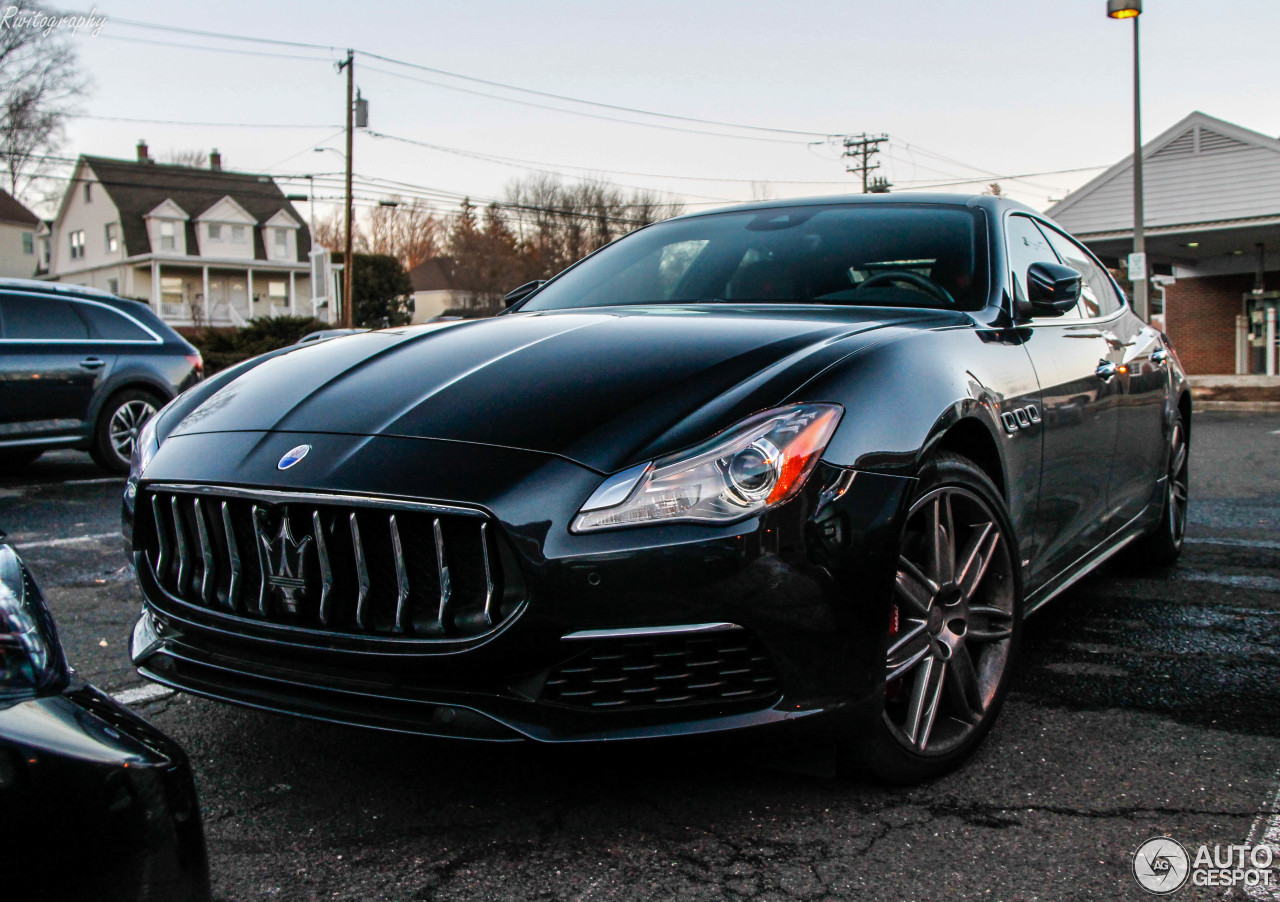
(1159, 357)
(93, 363)
(1107, 370)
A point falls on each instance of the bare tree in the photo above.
(408, 231)
(193, 158)
(330, 232)
(557, 223)
(39, 82)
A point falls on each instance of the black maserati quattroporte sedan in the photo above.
(791, 466)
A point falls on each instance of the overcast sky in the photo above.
(963, 88)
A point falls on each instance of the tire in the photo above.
(118, 425)
(14, 459)
(953, 631)
(1162, 547)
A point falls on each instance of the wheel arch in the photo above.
(971, 437)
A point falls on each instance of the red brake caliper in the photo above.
(895, 625)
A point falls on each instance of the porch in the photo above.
(200, 295)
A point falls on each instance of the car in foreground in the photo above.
(800, 466)
(97, 803)
(82, 368)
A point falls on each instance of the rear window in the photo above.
(108, 324)
(41, 319)
(893, 254)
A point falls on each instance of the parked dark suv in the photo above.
(82, 368)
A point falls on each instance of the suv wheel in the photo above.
(118, 426)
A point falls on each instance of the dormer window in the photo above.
(282, 241)
(215, 231)
(168, 235)
(237, 234)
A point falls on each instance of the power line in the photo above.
(191, 123)
(503, 86)
(238, 50)
(594, 103)
(134, 23)
(584, 113)
(517, 161)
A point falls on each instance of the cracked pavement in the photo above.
(1146, 702)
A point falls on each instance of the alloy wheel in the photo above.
(952, 622)
(1177, 499)
(126, 423)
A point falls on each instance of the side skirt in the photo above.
(1088, 562)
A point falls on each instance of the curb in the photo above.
(1239, 406)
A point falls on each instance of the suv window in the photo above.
(1026, 245)
(42, 319)
(109, 324)
(1097, 297)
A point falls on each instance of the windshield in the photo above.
(897, 255)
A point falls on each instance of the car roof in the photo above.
(62, 289)
(990, 202)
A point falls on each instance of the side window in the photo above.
(1097, 297)
(41, 319)
(111, 325)
(1026, 245)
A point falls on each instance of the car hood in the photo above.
(603, 388)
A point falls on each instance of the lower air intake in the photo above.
(661, 671)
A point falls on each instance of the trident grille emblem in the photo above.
(284, 561)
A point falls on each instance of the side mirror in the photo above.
(1053, 288)
(516, 295)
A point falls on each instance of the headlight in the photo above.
(143, 450)
(754, 466)
(31, 659)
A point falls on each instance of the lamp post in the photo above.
(1132, 9)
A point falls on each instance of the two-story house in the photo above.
(202, 246)
(17, 238)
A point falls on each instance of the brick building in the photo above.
(1212, 198)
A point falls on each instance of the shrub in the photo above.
(222, 348)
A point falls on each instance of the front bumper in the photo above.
(806, 589)
(77, 767)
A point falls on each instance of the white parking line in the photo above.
(98, 481)
(140, 694)
(73, 540)
(1266, 830)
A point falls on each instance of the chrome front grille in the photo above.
(730, 666)
(334, 564)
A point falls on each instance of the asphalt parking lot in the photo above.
(1146, 702)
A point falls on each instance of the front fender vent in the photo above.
(330, 564)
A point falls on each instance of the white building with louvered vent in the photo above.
(1212, 219)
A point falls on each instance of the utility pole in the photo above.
(1140, 279)
(863, 147)
(347, 263)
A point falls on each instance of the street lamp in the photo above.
(1131, 9)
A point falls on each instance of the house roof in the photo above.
(435, 274)
(1201, 170)
(137, 188)
(11, 210)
